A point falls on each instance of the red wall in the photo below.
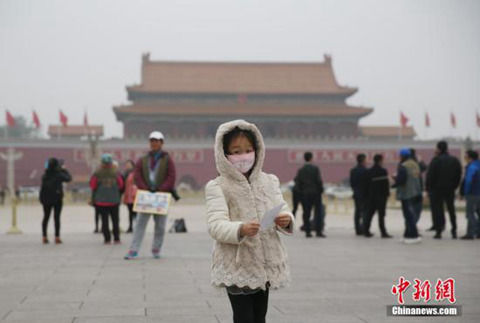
(199, 164)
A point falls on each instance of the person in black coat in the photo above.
(443, 178)
(310, 186)
(359, 185)
(51, 195)
(378, 193)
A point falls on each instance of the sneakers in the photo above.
(131, 255)
(412, 240)
(156, 253)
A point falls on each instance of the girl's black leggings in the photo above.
(57, 210)
(249, 308)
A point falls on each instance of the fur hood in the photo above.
(224, 167)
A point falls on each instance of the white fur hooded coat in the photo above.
(233, 199)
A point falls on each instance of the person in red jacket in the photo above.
(106, 184)
(154, 172)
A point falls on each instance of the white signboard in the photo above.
(152, 203)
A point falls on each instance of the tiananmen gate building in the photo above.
(297, 107)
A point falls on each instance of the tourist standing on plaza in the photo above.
(247, 260)
(106, 185)
(418, 201)
(130, 191)
(309, 183)
(154, 172)
(407, 183)
(378, 193)
(51, 195)
(443, 178)
(359, 184)
(471, 191)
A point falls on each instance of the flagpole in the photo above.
(426, 126)
(477, 125)
(6, 128)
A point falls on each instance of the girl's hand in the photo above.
(283, 220)
(249, 229)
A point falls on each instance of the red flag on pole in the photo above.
(427, 120)
(36, 119)
(453, 120)
(10, 119)
(403, 120)
(63, 119)
(478, 120)
(85, 119)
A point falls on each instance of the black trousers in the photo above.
(359, 215)
(97, 217)
(309, 202)
(296, 199)
(131, 216)
(439, 199)
(105, 211)
(57, 210)
(376, 205)
(249, 308)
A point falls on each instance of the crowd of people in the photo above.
(413, 180)
(154, 172)
(249, 257)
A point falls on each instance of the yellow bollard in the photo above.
(14, 229)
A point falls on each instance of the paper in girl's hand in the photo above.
(268, 219)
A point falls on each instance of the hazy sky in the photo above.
(413, 56)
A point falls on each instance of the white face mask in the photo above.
(244, 162)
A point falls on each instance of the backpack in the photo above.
(50, 191)
(178, 226)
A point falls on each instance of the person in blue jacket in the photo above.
(471, 191)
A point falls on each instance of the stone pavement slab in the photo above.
(343, 278)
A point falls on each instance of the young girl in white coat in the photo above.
(247, 260)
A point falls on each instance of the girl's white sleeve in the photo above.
(285, 208)
(220, 227)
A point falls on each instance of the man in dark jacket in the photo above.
(378, 193)
(309, 183)
(443, 178)
(154, 172)
(359, 184)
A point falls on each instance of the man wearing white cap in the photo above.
(154, 172)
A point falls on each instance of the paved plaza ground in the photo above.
(343, 278)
